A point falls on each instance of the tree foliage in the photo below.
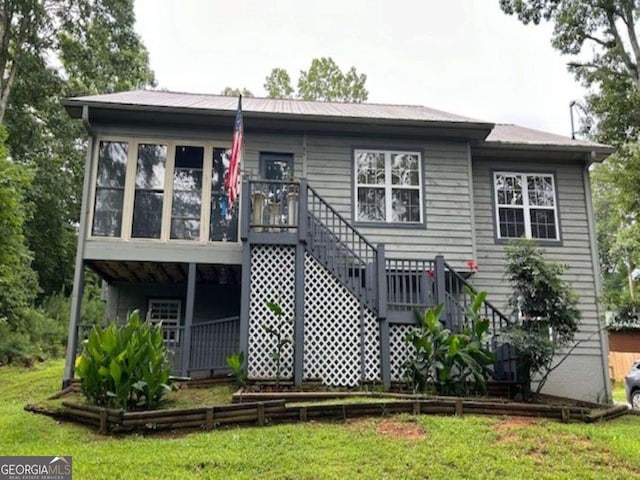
(80, 47)
(602, 38)
(18, 282)
(278, 84)
(323, 80)
(544, 309)
(236, 92)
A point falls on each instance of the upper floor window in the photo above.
(526, 205)
(388, 186)
(149, 195)
(165, 190)
(110, 183)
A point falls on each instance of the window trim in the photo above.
(526, 207)
(178, 322)
(420, 188)
(129, 189)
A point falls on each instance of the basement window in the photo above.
(166, 312)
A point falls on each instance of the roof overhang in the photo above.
(109, 113)
(533, 152)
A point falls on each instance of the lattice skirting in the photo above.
(400, 352)
(272, 279)
(334, 330)
(341, 337)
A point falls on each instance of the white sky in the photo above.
(461, 56)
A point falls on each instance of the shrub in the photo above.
(545, 316)
(125, 366)
(450, 363)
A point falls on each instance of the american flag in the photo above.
(231, 182)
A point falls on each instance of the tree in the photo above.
(544, 308)
(96, 51)
(18, 283)
(603, 39)
(236, 92)
(278, 84)
(604, 34)
(324, 81)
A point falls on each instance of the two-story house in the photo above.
(350, 216)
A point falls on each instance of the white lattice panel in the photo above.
(371, 346)
(399, 351)
(331, 328)
(272, 279)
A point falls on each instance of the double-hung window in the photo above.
(388, 186)
(526, 205)
(110, 186)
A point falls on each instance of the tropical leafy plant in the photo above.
(125, 366)
(450, 363)
(236, 363)
(278, 334)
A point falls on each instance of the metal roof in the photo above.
(153, 98)
(514, 134)
(499, 135)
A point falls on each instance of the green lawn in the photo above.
(397, 447)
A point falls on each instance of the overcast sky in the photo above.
(461, 56)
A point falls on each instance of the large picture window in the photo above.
(110, 183)
(526, 205)
(388, 186)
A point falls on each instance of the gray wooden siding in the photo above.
(575, 250)
(329, 169)
(446, 194)
(211, 301)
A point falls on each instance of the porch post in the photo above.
(76, 304)
(78, 274)
(298, 328)
(245, 299)
(245, 210)
(385, 336)
(185, 350)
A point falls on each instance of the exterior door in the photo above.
(276, 166)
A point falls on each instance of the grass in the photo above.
(618, 392)
(395, 447)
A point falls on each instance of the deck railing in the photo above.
(212, 342)
(398, 285)
(342, 249)
(274, 205)
(410, 283)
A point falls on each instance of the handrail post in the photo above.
(303, 208)
(441, 289)
(381, 282)
(245, 210)
(440, 280)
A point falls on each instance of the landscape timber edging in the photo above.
(277, 411)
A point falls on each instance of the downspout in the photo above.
(595, 260)
(78, 275)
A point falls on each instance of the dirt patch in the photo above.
(507, 428)
(406, 430)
